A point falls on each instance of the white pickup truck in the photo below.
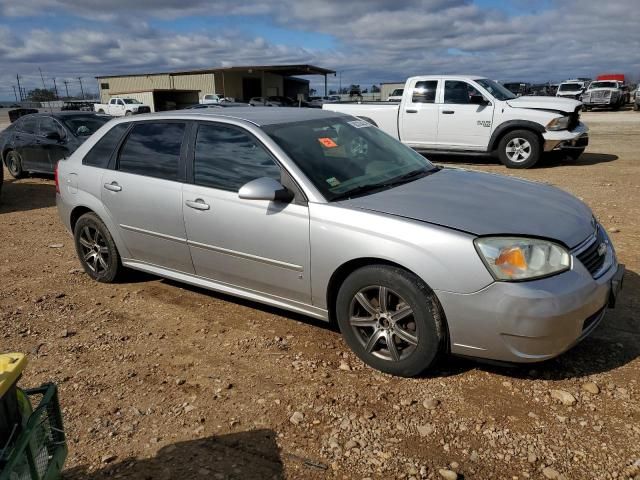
(475, 115)
(121, 106)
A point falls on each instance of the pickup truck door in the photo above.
(418, 114)
(463, 124)
(257, 245)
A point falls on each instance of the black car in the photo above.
(35, 142)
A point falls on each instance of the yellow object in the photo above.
(11, 367)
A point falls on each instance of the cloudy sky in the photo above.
(368, 41)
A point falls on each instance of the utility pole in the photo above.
(19, 88)
(66, 87)
(81, 90)
(55, 87)
(44, 87)
(15, 93)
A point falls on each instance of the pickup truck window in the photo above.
(495, 89)
(131, 101)
(153, 150)
(425, 91)
(120, 102)
(227, 157)
(345, 157)
(113, 101)
(458, 92)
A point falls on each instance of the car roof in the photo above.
(260, 116)
(68, 113)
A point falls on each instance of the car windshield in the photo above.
(604, 85)
(570, 87)
(397, 92)
(84, 125)
(495, 89)
(346, 157)
(130, 101)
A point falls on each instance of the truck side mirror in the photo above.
(478, 100)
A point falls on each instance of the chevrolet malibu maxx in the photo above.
(323, 214)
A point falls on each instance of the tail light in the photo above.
(55, 177)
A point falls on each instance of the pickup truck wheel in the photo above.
(127, 113)
(14, 164)
(101, 111)
(390, 319)
(519, 149)
(636, 107)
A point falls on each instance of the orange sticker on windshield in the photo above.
(327, 142)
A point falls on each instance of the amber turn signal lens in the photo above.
(510, 258)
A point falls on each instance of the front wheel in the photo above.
(14, 164)
(127, 113)
(390, 319)
(519, 149)
(96, 249)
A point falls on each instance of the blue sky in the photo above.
(368, 41)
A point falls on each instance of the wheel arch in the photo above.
(512, 125)
(76, 213)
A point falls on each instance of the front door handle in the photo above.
(448, 112)
(411, 111)
(113, 187)
(198, 204)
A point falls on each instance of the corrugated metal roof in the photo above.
(286, 70)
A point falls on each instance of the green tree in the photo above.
(41, 95)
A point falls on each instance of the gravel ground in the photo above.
(161, 381)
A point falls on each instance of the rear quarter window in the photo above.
(102, 151)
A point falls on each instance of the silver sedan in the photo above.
(324, 214)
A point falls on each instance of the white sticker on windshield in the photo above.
(360, 124)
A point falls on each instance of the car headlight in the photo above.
(516, 258)
(558, 123)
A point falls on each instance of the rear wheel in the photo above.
(390, 319)
(519, 149)
(14, 164)
(101, 111)
(96, 249)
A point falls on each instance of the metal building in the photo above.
(171, 90)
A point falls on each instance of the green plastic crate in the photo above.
(41, 448)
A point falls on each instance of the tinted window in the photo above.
(153, 149)
(84, 125)
(48, 125)
(28, 124)
(456, 91)
(425, 92)
(101, 152)
(227, 158)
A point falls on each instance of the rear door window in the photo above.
(425, 91)
(102, 151)
(28, 124)
(48, 125)
(153, 149)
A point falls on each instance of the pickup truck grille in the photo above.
(574, 119)
(590, 257)
(144, 110)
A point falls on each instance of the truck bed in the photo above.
(384, 114)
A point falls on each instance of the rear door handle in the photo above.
(411, 111)
(448, 112)
(198, 204)
(113, 186)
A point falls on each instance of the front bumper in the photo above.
(578, 138)
(531, 321)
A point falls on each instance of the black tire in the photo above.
(87, 243)
(127, 113)
(424, 325)
(101, 111)
(574, 153)
(636, 107)
(13, 161)
(527, 157)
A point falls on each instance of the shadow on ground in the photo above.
(251, 455)
(25, 195)
(548, 160)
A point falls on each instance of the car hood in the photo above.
(546, 103)
(485, 204)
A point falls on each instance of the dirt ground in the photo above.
(161, 381)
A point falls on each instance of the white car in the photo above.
(475, 115)
(209, 98)
(571, 89)
(121, 107)
(396, 95)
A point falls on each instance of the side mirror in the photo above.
(478, 100)
(53, 136)
(265, 188)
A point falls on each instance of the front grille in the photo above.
(591, 258)
(144, 110)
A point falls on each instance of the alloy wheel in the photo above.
(95, 252)
(383, 323)
(518, 150)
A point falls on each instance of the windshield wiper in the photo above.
(360, 190)
(406, 178)
(413, 175)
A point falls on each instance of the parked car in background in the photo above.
(78, 105)
(572, 89)
(121, 107)
(605, 93)
(541, 90)
(636, 101)
(396, 95)
(208, 98)
(264, 102)
(34, 143)
(475, 115)
(205, 106)
(252, 202)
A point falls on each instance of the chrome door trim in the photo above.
(247, 256)
(153, 234)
